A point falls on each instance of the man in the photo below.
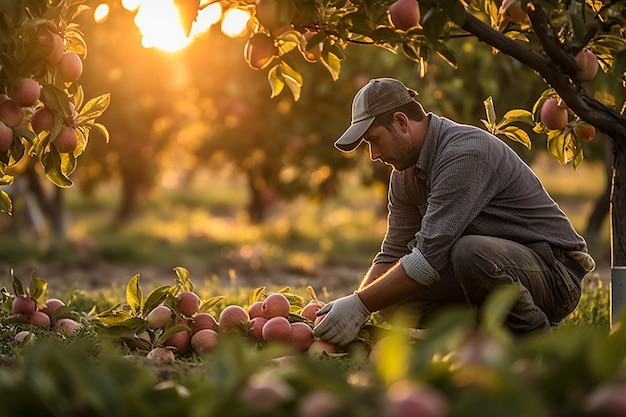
(466, 216)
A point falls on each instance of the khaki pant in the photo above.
(550, 286)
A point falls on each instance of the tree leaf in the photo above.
(183, 280)
(52, 167)
(93, 108)
(6, 205)
(276, 81)
(134, 296)
(37, 288)
(154, 298)
(171, 331)
(210, 303)
(518, 135)
(332, 64)
(490, 111)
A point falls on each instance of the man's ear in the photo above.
(402, 120)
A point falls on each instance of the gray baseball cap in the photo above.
(378, 96)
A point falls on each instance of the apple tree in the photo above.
(45, 119)
(564, 42)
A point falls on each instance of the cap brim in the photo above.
(352, 137)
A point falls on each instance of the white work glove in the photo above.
(344, 318)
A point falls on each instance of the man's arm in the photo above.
(375, 271)
(387, 289)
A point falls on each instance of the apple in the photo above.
(39, 319)
(180, 340)
(256, 309)
(205, 340)
(42, 119)
(512, 10)
(255, 330)
(309, 311)
(67, 140)
(277, 329)
(318, 347)
(259, 50)
(405, 14)
(275, 305)
(552, 115)
(23, 305)
(51, 306)
(301, 336)
(10, 113)
(54, 41)
(159, 316)
(188, 303)
(161, 353)
(70, 67)
(404, 399)
(587, 64)
(584, 132)
(318, 403)
(27, 92)
(275, 14)
(66, 325)
(233, 316)
(25, 337)
(203, 321)
(312, 54)
(6, 137)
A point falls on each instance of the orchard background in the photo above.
(203, 141)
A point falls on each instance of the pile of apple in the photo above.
(25, 309)
(267, 321)
(18, 105)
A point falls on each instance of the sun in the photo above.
(159, 24)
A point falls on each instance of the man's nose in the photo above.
(374, 153)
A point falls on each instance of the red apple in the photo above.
(203, 321)
(66, 325)
(161, 353)
(23, 305)
(277, 329)
(259, 50)
(39, 319)
(405, 14)
(275, 305)
(51, 306)
(512, 10)
(67, 140)
(233, 316)
(552, 115)
(301, 336)
(408, 400)
(256, 309)
(188, 303)
(309, 311)
(255, 330)
(318, 347)
(42, 119)
(10, 113)
(54, 41)
(25, 337)
(585, 132)
(6, 137)
(204, 341)
(179, 341)
(70, 67)
(587, 64)
(159, 316)
(27, 92)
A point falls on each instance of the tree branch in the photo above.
(579, 101)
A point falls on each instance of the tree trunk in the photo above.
(618, 236)
(602, 204)
(52, 207)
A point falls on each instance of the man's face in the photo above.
(392, 147)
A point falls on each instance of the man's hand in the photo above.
(344, 318)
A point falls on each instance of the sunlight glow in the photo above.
(101, 12)
(235, 22)
(159, 25)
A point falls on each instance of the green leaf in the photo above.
(115, 315)
(52, 168)
(578, 26)
(257, 294)
(292, 78)
(100, 128)
(94, 108)
(490, 111)
(183, 280)
(18, 288)
(134, 296)
(560, 146)
(517, 134)
(6, 205)
(433, 22)
(171, 331)
(497, 307)
(446, 54)
(37, 288)
(276, 80)
(155, 297)
(210, 303)
(517, 115)
(332, 64)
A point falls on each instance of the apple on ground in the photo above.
(275, 305)
(159, 316)
(39, 319)
(23, 305)
(188, 303)
(202, 321)
(161, 353)
(66, 325)
(301, 336)
(277, 329)
(233, 317)
(204, 341)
